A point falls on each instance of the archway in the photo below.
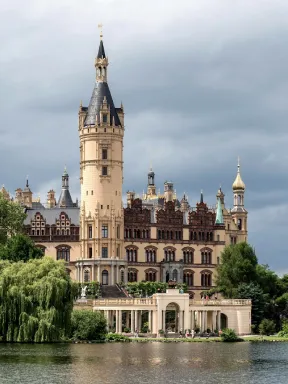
(224, 321)
(104, 277)
(167, 276)
(172, 323)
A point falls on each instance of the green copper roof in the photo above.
(219, 214)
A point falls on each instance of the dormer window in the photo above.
(105, 118)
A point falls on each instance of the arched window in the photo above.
(169, 254)
(150, 275)
(175, 275)
(188, 277)
(132, 275)
(105, 277)
(206, 257)
(150, 255)
(131, 254)
(63, 253)
(86, 275)
(206, 279)
(188, 256)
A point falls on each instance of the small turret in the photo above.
(219, 214)
(184, 203)
(65, 199)
(168, 191)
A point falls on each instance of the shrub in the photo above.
(127, 330)
(229, 335)
(284, 330)
(116, 337)
(145, 328)
(88, 325)
(267, 327)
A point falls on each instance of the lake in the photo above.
(245, 363)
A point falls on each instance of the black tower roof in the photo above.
(100, 91)
(101, 51)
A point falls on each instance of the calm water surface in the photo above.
(134, 363)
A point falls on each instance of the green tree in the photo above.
(253, 292)
(20, 248)
(267, 327)
(36, 301)
(88, 325)
(238, 265)
(12, 218)
(229, 335)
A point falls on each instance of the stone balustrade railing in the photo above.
(220, 302)
(152, 301)
(124, 301)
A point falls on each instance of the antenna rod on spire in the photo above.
(100, 26)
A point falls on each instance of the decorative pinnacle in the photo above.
(100, 26)
(238, 166)
(27, 182)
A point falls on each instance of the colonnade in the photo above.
(131, 319)
(192, 319)
(114, 272)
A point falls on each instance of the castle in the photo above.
(155, 238)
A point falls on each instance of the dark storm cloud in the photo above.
(201, 85)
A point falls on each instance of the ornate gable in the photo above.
(137, 214)
(168, 215)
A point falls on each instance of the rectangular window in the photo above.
(105, 231)
(90, 252)
(104, 171)
(118, 231)
(104, 154)
(90, 232)
(104, 252)
(117, 251)
(105, 118)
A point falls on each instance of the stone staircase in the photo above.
(112, 292)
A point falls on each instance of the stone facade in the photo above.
(155, 237)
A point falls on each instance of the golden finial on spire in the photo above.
(100, 26)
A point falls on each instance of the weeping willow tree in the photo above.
(36, 301)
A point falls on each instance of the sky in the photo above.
(202, 82)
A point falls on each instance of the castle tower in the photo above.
(65, 199)
(101, 132)
(151, 188)
(27, 195)
(51, 201)
(184, 203)
(238, 211)
(168, 191)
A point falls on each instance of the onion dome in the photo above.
(238, 183)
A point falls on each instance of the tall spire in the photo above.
(65, 199)
(201, 197)
(238, 183)
(101, 50)
(101, 109)
(219, 213)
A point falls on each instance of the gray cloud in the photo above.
(201, 84)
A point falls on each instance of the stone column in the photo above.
(120, 321)
(98, 273)
(214, 313)
(202, 321)
(218, 321)
(150, 320)
(164, 320)
(81, 273)
(125, 275)
(112, 273)
(117, 322)
(192, 320)
(117, 274)
(140, 320)
(132, 321)
(136, 314)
